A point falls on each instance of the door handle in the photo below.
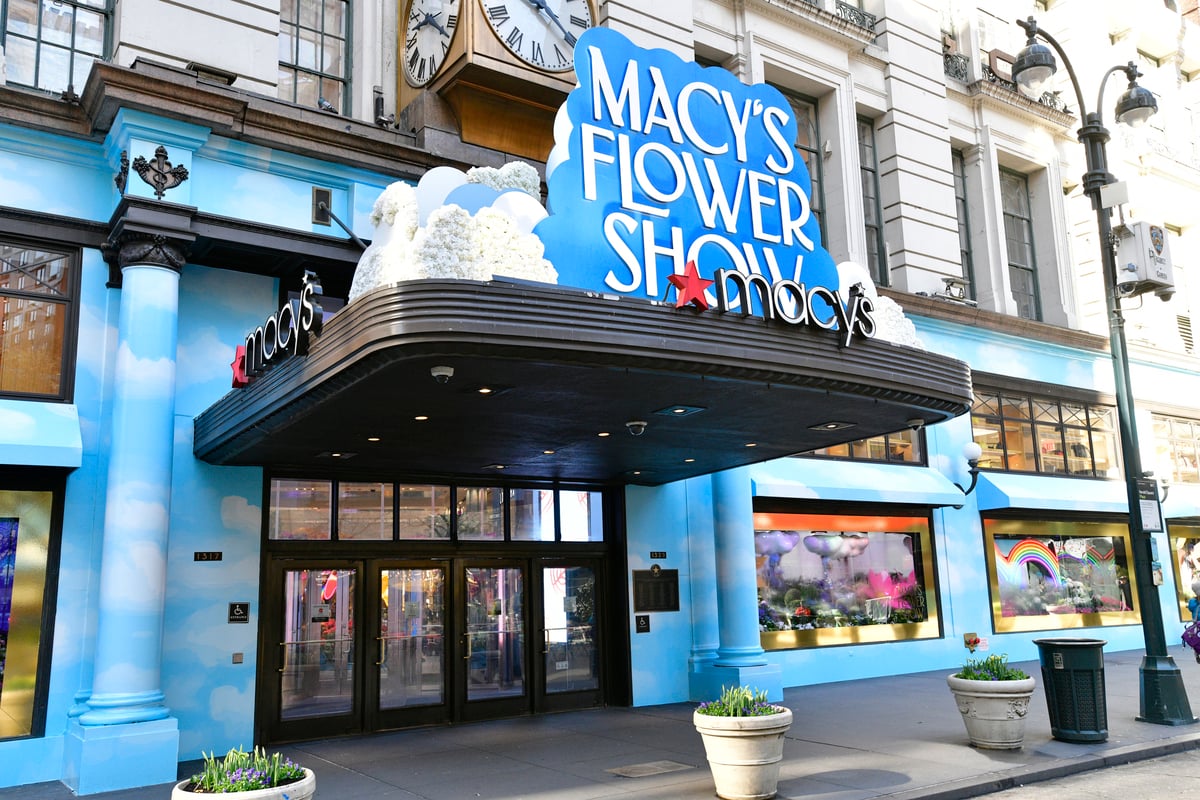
(282, 656)
(467, 646)
(379, 663)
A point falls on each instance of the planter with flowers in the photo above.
(743, 740)
(249, 776)
(993, 699)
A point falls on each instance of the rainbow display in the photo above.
(1012, 569)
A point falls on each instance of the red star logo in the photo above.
(240, 381)
(689, 287)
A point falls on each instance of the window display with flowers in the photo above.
(835, 578)
(1052, 574)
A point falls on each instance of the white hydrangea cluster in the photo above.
(513, 175)
(397, 206)
(506, 251)
(892, 326)
(453, 244)
(447, 248)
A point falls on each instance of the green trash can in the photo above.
(1073, 679)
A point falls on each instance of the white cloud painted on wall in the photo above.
(145, 377)
(238, 514)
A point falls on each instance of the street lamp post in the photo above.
(1163, 698)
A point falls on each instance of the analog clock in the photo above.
(541, 33)
(427, 35)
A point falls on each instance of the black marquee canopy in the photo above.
(547, 380)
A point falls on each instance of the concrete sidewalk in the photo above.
(899, 738)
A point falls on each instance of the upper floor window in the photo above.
(1028, 433)
(868, 161)
(1177, 446)
(808, 147)
(51, 44)
(38, 288)
(903, 446)
(958, 164)
(1018, 233)
(314, 53)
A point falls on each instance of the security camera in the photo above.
(636, 427)
(442, 374)
(1126, 288)
(916, 423)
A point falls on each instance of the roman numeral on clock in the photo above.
(535, 52)
(498, 14)
(514, 38)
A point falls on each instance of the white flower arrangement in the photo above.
(453, 244)
(513, 175)
(509, 252)
(446, 247)
(397, 206)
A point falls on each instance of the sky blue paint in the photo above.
(659, 204)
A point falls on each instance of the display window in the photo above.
(30, 524)
(1054, 574)
(835, 578)
(1185, 562)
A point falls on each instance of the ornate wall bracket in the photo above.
(159, 173)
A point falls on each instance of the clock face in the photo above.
(427, 35)
(540, 32)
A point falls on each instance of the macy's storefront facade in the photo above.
(472, 491)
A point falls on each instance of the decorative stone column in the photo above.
(126, 737)
(740, 656)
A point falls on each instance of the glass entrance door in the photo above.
(494, 678)
(314, 658)
(570, 638)
(408, 674)
(353, 646)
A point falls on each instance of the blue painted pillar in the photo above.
(126, 737)
(126, 684)
(740, 656)
(737, 579)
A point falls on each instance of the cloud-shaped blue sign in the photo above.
(668, 162)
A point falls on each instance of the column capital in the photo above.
(144, 231)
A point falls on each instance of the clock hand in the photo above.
(432, 20)
(541, 5)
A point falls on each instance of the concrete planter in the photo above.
(744, 753)
(993, 711)
(302, 789)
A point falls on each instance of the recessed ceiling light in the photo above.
(335, 455)
(751, 444)
(602, 434)
(679, 410)
(689, 460)
(494, 466)
(831, 426)
(372, 438)
(485, 390)
(420, 418)
(547, 452)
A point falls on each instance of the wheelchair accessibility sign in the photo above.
(239, 612)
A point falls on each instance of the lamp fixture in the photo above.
(1034, 66)
(1163, 696)
(971, 452)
